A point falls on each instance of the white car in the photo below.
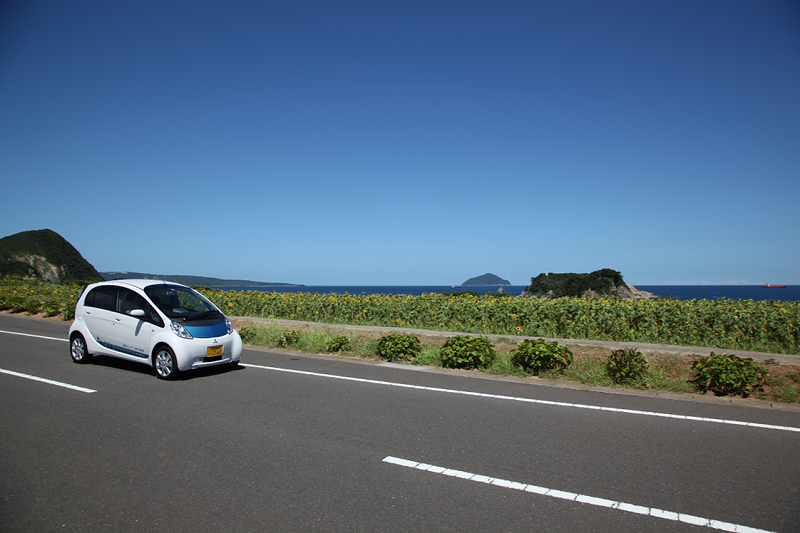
(165, 325)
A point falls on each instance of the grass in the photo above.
(670, 373)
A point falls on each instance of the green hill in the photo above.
(194, 281)
(43, 254)
(605, 282)
(486, 279)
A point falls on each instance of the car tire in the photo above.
(77, 349)
(233, 365)
(165, 363)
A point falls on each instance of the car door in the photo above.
(132, 333)
(99, 309)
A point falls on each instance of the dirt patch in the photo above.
(19, 312)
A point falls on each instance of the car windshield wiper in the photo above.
(204, 314)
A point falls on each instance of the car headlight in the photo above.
(229, 326)
(180, 331)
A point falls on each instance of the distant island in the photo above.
(597, 284)
(485, 280)
(195, 280)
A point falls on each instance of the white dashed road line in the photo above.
(581, 498)
(31, 335)
(531, 400)
(37, 378)
(48, 381)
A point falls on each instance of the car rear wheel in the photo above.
(165, 363)
(78, 351)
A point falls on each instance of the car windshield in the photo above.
(180, 302)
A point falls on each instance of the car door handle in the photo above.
(118, 319)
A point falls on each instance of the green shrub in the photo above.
(51, 307)
(68, 311)
(540, 355)
(247, 334)
(463, 351)
(31, 305)
(288, 338)
(728, 374)
(625, 365)
(339, 343)
(398, 346)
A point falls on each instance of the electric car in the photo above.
(168, 326)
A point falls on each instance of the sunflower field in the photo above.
(767, 326)
(32, 296)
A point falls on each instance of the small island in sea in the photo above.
(486, 280)
(597, 284)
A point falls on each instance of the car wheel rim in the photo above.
(163, 364)
(77, 349)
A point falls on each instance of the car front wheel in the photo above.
(165, 363)
(78, 351)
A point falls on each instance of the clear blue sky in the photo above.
(407, 143)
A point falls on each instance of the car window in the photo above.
(128, 300)
(179, 302)
(102, 298)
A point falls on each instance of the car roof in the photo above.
(139, 283)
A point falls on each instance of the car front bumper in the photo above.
(191, 354)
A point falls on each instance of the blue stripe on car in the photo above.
(121, 349)
(207, 332)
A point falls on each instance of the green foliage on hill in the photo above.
(194, 281)
(603, 282)
(43, 254)
(486, 279)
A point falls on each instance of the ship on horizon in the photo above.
(768, 286)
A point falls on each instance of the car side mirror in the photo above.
(138, 313)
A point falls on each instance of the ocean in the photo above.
(679, 292)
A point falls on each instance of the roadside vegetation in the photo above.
(721, 375)
(725, 324)
(768, 326)
(34, 297)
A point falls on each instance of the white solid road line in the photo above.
(581, 498)
(31, 335)
(48, 381)
(531, 400)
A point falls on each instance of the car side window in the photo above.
(102, 298)
(127, 301)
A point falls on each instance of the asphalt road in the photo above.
(293, 442)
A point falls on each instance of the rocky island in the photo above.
(603, 283)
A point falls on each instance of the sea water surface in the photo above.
(679, 292)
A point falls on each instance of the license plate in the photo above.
(213, 352)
